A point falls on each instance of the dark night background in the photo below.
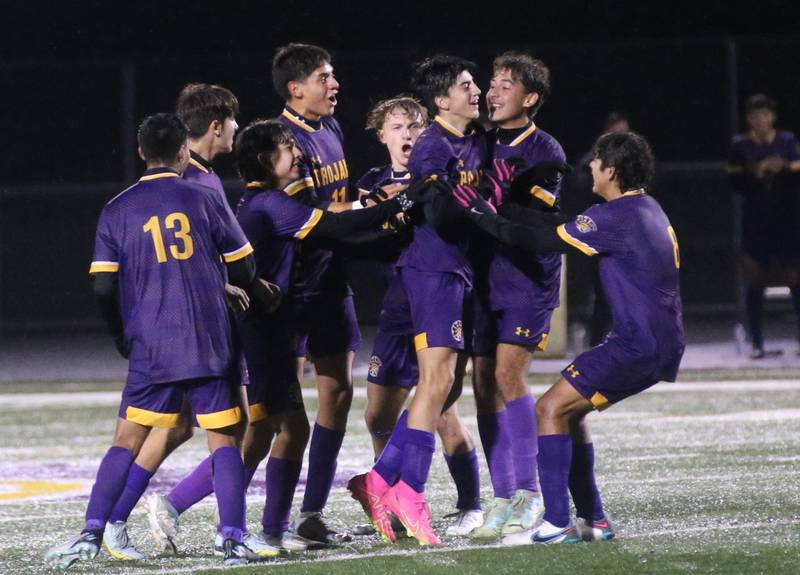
(77, 77)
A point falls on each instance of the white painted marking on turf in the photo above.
(102, 398)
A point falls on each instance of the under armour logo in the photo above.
(572, 370)
(523, 331)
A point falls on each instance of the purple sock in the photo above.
(417, 457)
(248, 477)
(464, 471)
(138, 479)
(555, 455)
(322, 455)
(193, 488)
(108, 486)
(391, 458)
(582, 485)
(524, 440)
(493, 429)
(228, 474)
(282, 478)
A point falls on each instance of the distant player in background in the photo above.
(303, 76)
(156, 271)
(765, 170)
(515, 295)
(639, 268)
(393, 368)
(437, 278)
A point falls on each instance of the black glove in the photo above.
(546, 176)
(423, 191)
(376, 194)
(469, 199)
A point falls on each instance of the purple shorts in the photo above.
(269, 346)
(214, 403)
(326, 326)
(608, 373)
(525, 326)
(393, 361)
(439, 305)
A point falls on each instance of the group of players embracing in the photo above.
(217, 312)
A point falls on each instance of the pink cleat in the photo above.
(413, 512)
(368, 489)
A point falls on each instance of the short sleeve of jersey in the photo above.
(430, 157)
(106, 251)
(593, 232)
(226, 231)
(368, 180)
(290, 218)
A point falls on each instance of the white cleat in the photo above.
(118, 544)
(163, 520)
(527, 509)
(546, 533)
(292, 542)
(466, 521)
(497, 513)
(84, 548)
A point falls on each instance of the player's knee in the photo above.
(180, 435)
(296, 425)
(509, 381)
(549, 409)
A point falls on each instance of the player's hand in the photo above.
(267, 294)
(380, 194)
(547, 175)
(237, 298)
(122, 346)
(424, 191)
(471, 200)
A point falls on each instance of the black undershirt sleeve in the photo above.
(242, 272)
(539, 238)
(106, 293)
(337, 225)
(530, 217)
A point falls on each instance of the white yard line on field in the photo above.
(103, 398)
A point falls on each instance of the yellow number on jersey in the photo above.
(339, 195)
(675, 251)
(153, 226)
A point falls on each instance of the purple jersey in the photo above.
(200, 172)
(380, 175)
(325, 178)
(274, 222)
(639, 262)
(444, 152)
(516, 279)
(164, 237)
(763, 197)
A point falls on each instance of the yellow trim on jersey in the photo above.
(219, 419)
(564, 235)
(639, 192)
(548, 198)
(152, 418)
(108, 267)
(542, 345)
(257, 412)
(158, 176)
(453, 130)
(235, 255)
(298, 186)
(313, 220)
(519, 139)
(289, 116)
(794, 166)
(599, 401)
(198, 165)
(421, 341)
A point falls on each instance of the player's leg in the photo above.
(592, 523)
(384, 404)
(791, 278)
(754, 276)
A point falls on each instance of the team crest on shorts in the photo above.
(457, 331)
(374, 365)
(585, 224)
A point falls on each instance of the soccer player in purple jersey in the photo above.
(156, 273)
(639, 267)
(514, 302)
(209, 113)
(393, 369)
(765, 169)
(437, 276)
(276, 224)
(303, 76)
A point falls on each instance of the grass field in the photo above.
(702, 476)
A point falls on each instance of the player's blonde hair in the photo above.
(411, 106)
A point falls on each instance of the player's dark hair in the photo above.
(260, 137)
(200, 104)
(532, 73)
(411, 106)
(760, 102)
(630, 156)
(161, 136)
(295, 63)
(434, 76)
